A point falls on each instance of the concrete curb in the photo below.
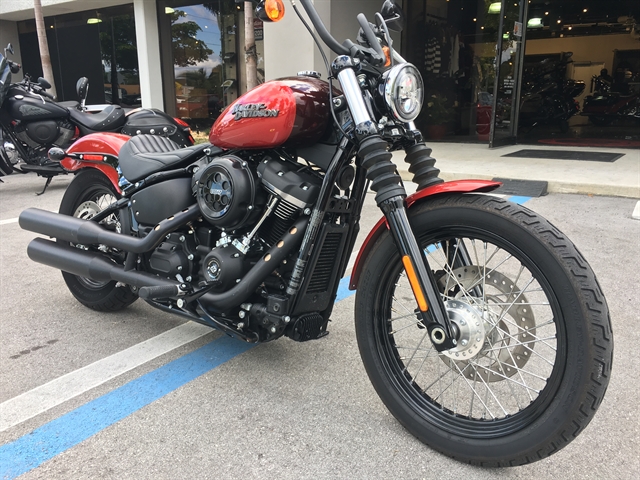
(458, 162)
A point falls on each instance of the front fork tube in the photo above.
(431, 309)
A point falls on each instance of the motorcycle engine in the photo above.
(45, 133)
(232, 195)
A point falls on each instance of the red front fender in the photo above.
(98, 150)
(458, 186)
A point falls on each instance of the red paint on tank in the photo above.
(291, 111)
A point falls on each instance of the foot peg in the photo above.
(152, 293)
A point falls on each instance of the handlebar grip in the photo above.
(371, 37)
(331, 42)
(45, 94)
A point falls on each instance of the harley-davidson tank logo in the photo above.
(253, 110)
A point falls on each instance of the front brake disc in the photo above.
(509, 323)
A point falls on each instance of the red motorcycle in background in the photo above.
(481, 326)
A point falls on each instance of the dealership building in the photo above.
(481, 60)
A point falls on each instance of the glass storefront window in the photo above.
(203, 58)
(453, 43)
(88, 44)
(536, 67)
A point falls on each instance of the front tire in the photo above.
(5, 160)
(534, 355)
(89, 193)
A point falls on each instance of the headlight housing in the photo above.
(403, 91)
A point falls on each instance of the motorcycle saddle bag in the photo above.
(151, 121)
(146, 154)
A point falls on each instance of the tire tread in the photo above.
(594, 310)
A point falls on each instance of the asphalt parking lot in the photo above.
(211, 408)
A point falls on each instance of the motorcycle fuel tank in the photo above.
(292, 111)
(33, 107)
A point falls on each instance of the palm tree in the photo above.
(250, 47)
(47, 69)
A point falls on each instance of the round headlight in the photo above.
(404, 92)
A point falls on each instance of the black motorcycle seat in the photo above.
(146, 154)
(109, 119)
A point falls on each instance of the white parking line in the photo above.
(636, 211)
(9, 220)
(34, 402)
(44, 397)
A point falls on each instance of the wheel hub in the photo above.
(87, 210)
(471, 326)
(507, 325)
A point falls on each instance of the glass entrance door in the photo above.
(509, 60)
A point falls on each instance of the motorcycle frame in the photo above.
(107, 146)
(373, 161)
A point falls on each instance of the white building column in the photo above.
(288, 47)
(148, 42)
(9, 34)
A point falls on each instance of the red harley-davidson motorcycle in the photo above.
(481, 326)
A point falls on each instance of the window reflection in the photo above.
(203, 61)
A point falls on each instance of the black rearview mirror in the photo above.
(393, 15)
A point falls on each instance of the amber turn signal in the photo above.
(270, 10)
(415, 283)
(387, 54)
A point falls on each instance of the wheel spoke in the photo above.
(506, 374)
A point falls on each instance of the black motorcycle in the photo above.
(31, 122)
(548, 97)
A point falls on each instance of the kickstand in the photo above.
(45, 186)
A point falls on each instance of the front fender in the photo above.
(99, 151)
(458, 186)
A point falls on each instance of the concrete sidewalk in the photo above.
(459, 160)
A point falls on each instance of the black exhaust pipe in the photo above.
(221, 302)
(86, 232)
(98, 267)
(89, 264)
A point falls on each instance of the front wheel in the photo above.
(534, 354)
(89, 193)
(8, 156)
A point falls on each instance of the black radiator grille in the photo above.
(326, 264)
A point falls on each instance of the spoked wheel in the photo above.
(89, 193)
(534, 352)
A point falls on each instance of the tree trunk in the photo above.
(47, 69)
(115, 90)
(250, 47)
